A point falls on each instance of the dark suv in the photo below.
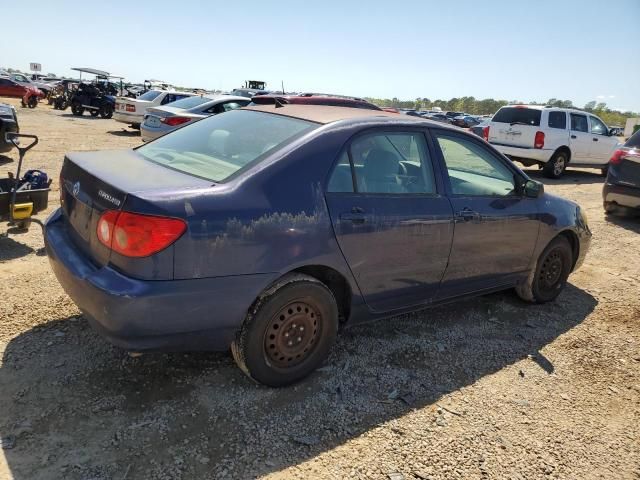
(621, 192)
(8, 124)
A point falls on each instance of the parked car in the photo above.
(247, 92)
(159, 121)
(481, 129)
(315, 99)
(132, 110)
(44, 87)
(616, 131)
(621, 191)
(263, 229)
(552, 137)
(452, 115)
(8, 124)
(28, 93)
(466, 121)
(438, 117)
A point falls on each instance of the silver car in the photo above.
(161, 120)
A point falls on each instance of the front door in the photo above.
(496, 228)
(602, 144)
(392, 224)
(580, 139)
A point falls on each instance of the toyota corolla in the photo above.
(266, 229)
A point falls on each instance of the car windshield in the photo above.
(519, 115)
(150, 95)
(217, 147)
(190, 102)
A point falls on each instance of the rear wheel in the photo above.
(548, 279)
(77, 109)
(288, 332)
(555, 167)
(33, 102)
(604, 171)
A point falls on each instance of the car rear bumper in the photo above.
(623, 195)
(141, 315)
(536, 154)
(151, 133)
(128, 117)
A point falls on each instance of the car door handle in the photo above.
(467, 215)
(574, 137)
(357, 218)
(595, 139)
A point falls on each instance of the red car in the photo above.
(29, 95)
(315, 99)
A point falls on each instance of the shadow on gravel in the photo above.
(5, 159)
(74, 407)
(84, 116)
(10, 249)
(569, 177)
(629, 222)
(125, 133)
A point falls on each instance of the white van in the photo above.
(551, 137)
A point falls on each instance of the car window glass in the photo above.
(169, 97)
(392, 163)
(341, 179)
(558, 120)
(597, 127)
(473, 170)
(518, 115)
(150, 95)
(231, 106)
(579, 123)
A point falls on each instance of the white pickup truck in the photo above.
(132, 110)
(551, 137)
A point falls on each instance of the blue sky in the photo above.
(513, 50)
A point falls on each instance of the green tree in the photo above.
(590, 106)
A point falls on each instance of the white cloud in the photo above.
(612, 96)
(602, 97)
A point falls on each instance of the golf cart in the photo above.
(97, 97)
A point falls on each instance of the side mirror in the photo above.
(533, 189)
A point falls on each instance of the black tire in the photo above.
(555, 167)
(549, 278)
(77, 109)
(106, 111)
(604, 171)
(33, 102)
(94, 113)
(265, 348)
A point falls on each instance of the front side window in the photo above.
(473, 170)
(597, 127)
(219, 146)
(579, 123)
(392, 163)
(558, 120)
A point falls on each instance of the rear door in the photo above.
(391, 220)
(496, 228)
(602, 144)
(580, 139)
(515, 126)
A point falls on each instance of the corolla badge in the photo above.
(76, 189)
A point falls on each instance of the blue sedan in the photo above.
(265, 229)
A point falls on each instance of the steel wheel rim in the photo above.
(551, 270)
(558, 168)
(292, 334)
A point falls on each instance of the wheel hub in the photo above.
(551, 270)
(291, 334)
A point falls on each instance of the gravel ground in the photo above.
(486, 388)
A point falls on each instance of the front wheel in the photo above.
(288, 332)
(106, 111)
(548, 279)
(555, 167)
(33, 102)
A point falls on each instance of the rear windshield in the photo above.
(190, 102)
(150, 95)
(518, 115)
(217, 147)
(634, 140)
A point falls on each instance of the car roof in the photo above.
(326, 114)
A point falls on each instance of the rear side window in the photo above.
(518, 115)
(558, 120)
(190, 102)
(150, 95)
(579, 123)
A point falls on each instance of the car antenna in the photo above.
(278, 103)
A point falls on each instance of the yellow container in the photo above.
(22, 210)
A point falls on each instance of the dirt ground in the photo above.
(486, 388)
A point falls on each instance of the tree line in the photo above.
(489, 106)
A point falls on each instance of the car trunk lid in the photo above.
(94, 182)
(515, 126)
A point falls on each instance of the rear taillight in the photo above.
(137, 235)
(538, 142)
(485, 133)
(173, 121)
(131, 108)
(617, 156)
